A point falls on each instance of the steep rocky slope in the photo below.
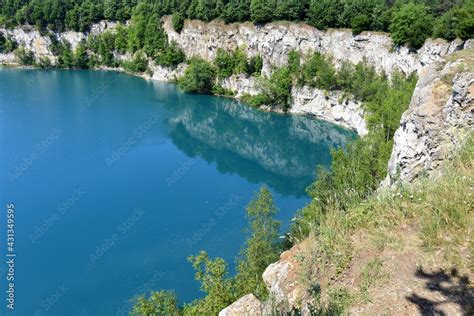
(440, 116)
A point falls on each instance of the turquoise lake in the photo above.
(117, 180)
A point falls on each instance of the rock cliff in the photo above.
(274, 41)
(440, 114)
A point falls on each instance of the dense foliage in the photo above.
(200, 76)
(450, 17)
(261, 249)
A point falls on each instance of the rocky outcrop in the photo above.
(242, 85)
(440, 114)
(331, 106)
(248, 305)
(167, 74)
(274, 41)
(30, 39)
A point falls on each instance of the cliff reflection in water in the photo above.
(280, 150)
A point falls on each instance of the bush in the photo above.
(199, 77)
(318, 72)
(7, 45)
(159, 303)
(256, 100)
(411, 25)
(45, 63)
(255, 66)
(24, 57)
(225, 63)
(172, 56)
(138, 64)
(177, 21)
(220, 90)
(230, 63)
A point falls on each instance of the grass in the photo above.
(440, 211)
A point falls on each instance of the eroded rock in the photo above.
(440, 115)
(248, 305)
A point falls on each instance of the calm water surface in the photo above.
(116, 180)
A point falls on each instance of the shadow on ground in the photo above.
(448, 288)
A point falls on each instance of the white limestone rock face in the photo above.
(248, 305)
(242, 85)
(74, 38)
(275, 40)
(7, 59)
(330, 106)
(440, 115)
(168, 74)
(31, 40)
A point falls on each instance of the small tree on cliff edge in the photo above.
(262, 247)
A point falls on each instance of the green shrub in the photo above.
(172, 56)
(200, 76)
(278, 88)
(159, 303)
(224, 63)
(294, 61)
(220, 90)
(256, 100)
(45, 63)
(138, 64)
(255, 65)
(24, 57)
(81, 57)
(7, 45)
(318, 72)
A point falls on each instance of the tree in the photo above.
(261, 11)
(159, 303)
(325, 13)
(177, 21)
(360, 23)
(110, 9)
(411, 25)
(172, 56)
(255, 65)
(199, 76)
(66, 57)
(290, 10)
(81, 58)
(261, 248)
(465, 25)
(225, 63)
(212, 274)
(24, 56)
